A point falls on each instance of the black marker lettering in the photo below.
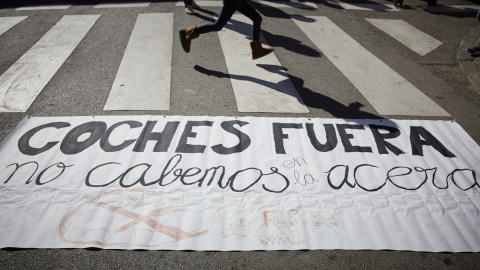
(105, 144)
(367, 181)
(343, 181)
(380, 139)
(346, 137)
(416, 135)
(331, 138)
(408, 171)
(70, 144)
(244, 140)
(17, 166)
(60, 165)
(279, 136)
(24, 142)
(183, 146)
(163, 138)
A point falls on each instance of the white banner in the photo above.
(239, 183)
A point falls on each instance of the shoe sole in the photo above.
(184, 41)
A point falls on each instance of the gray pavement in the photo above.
(470, 63)
(48, 105)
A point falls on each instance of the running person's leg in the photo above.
(249, 11)
(229, 7)
(188, 34)
(188, 7)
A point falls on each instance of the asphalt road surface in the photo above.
(204, 82)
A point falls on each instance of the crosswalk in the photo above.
(143, 78)
(266, 91)
(43, 7)
(146, 65)
(369, 6)
(385, 89)
(123, 5)
(24, 80)
(276, 4)
(408, 35)
(9, 22)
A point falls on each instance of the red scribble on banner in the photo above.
(145, 229)
(289, 229)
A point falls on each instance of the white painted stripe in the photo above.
(362, 6)
(122, 5)
(26, 78)
(44, 7)
(439, 8)
(203, 3)
(261, 85)
(408, 35)
(387, 91)
(143, 78)
(8, 22)
(286, 4)
(276, 4)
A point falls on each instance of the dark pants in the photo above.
(187, 2)
(229, 7)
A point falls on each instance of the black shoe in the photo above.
(473, 49)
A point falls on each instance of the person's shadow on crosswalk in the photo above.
(274, 40)
(310, 98)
